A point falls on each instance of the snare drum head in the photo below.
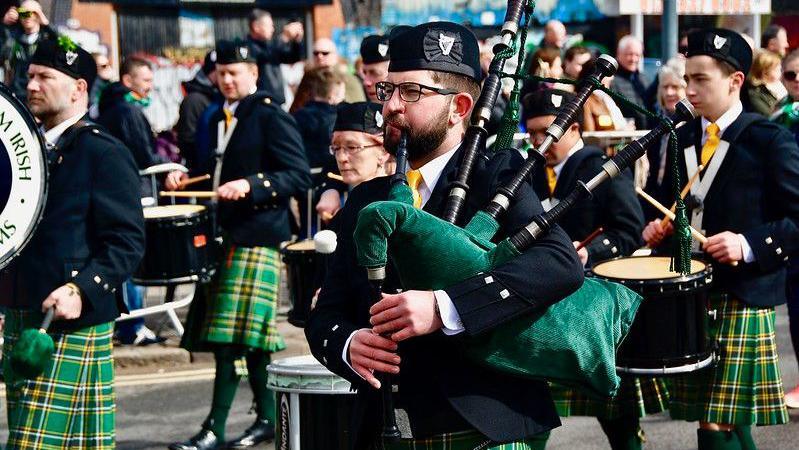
(302, 246)
(170, 211)
(642, 268)
(23, 176)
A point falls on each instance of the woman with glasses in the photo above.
(357, 145)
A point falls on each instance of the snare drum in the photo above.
(670, 332)
(179, 243)
(313, 405)
(305, 269)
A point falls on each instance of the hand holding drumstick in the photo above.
(724, 247)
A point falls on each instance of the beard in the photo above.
(421, 141)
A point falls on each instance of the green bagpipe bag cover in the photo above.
(572, 342)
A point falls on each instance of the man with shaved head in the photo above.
(326, 55)
(554, 35)
(24, 28)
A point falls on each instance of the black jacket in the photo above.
(613, 206)
(266, 149)
(632, 85)
(754, 193)
(438, 387)
(126, 122)
(15, 55)
(199, 93)
(92, 231)
(270, 56)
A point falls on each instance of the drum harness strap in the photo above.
(699, 190)
(55, 151)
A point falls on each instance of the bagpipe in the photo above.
(574, 340)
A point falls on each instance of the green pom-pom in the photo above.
(31, 353)
(67, 44)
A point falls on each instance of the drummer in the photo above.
(357, 145)
(615, 208)
(90, 239)
(260, 165)
(747, 204)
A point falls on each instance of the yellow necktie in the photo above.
(228, 117)
(552, 180)
(414, 180)
(711, 144)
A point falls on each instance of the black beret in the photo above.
(362, 116)
(438, 46)
(546, 102)
(374, 49)
(64, 55)
(722, 44)
(231, 52)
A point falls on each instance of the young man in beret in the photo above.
(374, 56)
(451, 403)
(747, 204)
(259, 165)
(614, 207)
(89, 241)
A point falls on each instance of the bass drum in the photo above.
(23, 176)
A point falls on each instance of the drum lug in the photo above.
(711, 313)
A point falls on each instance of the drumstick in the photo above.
(189, 181)
(200, 194)
(697, 235)
(335, 176)
(590, 238)
(683, 194)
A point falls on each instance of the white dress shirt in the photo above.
(53, 134)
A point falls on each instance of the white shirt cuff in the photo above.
(346, 352)
(449, 315)
(746, 249)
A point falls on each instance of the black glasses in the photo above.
(350, 149)
(408, 91)
(789, 75)
(25, 14)
(318, 52)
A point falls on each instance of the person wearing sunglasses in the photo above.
(25, 27)
(432, 85)
(787, 115)
(326, 55)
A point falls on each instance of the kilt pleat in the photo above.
(463, 440)
(637, 396)
(745, 387)
(71, 404)
(243, 303)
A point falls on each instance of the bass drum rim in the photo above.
(701, 279)
(30, 122)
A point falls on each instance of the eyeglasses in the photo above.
(319, 52)
(408, 91)
(350, 149)
(789, 75)
(24, 13)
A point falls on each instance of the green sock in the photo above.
(264, 399)
(225, 384)
(624, 433)
(539, 441)
(717, 440)
(744, 433)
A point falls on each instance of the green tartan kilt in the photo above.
(465, 440)
(745, 387)
(71, 404)
(243, 302)
(637, 396)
